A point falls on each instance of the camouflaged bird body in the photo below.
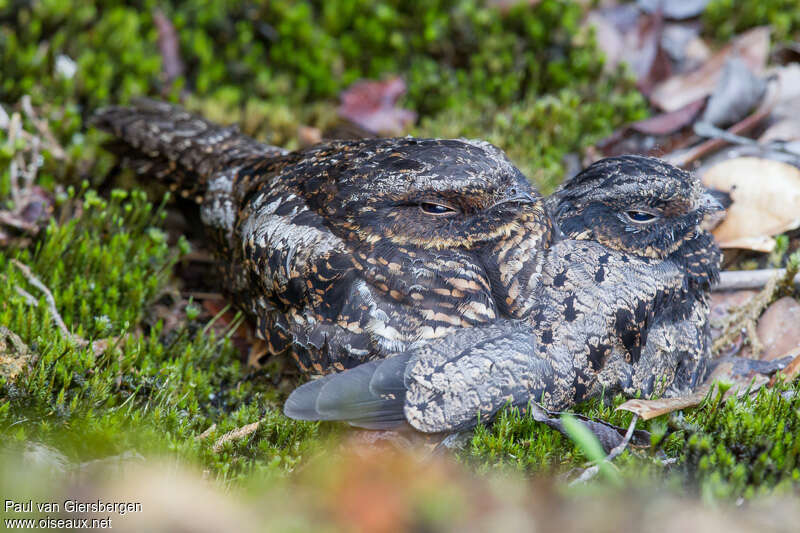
(606, 322)
(621, 305)
(327, 248)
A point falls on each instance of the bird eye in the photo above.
(436, 209)
(640, 216)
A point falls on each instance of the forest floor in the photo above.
(124, 373)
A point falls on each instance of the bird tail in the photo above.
(177, 147)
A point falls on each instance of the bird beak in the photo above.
(708, 203)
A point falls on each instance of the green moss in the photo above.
(151, 391)
(537, 133)
(725, 18)
(724, 450)
(529, 78)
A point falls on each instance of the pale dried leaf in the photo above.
(743, 375)
(647, 409)
(674, 9)
(787, 87)
(766, 201)
(736, 94)
(752, 47)
(778, 329)
(787, 129)
(609, 39)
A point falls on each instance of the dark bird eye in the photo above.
(640, 216)
(436, 209)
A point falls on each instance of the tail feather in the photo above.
(178, 147)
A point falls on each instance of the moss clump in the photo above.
(724, 450)
(725, 18)
(539, 132)
(529, 77)
(150, 390)
(743, 448)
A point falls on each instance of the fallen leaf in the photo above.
(610, 436)
(647, 409)
(787, 87)
(674, 9)
(683, 44)
(778, 329)
(766, 201)
(371, 105)
(752, 47)
(792, 370)
(742, 374)
(723, 302)
(738, 91)
(667, 123)
(644, 53)
(787, 129)
(15, 356)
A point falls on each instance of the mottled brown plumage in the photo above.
(621, 306)
(353, 250)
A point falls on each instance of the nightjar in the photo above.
(621, 305)
(353, 250)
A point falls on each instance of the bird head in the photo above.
(424, 193)
(641, 206)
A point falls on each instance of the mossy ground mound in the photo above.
(529, 80)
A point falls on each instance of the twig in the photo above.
(9, 219)
(732, 280)
(592, 471)
(44, 130)
(98, 346)
(743, 318)
(237, 433)
(712, 145)
(51, 301)
(29, 298)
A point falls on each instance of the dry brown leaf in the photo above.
(792, 370)
(766, 201)
(742, 374)
(667, 123)
(647, 409)
(778, 329)
(752, 47)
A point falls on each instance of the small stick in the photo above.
(712, 145)
(234, 434)
(592, 471)
(734, 280)
(51, 301)
(9, 219)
